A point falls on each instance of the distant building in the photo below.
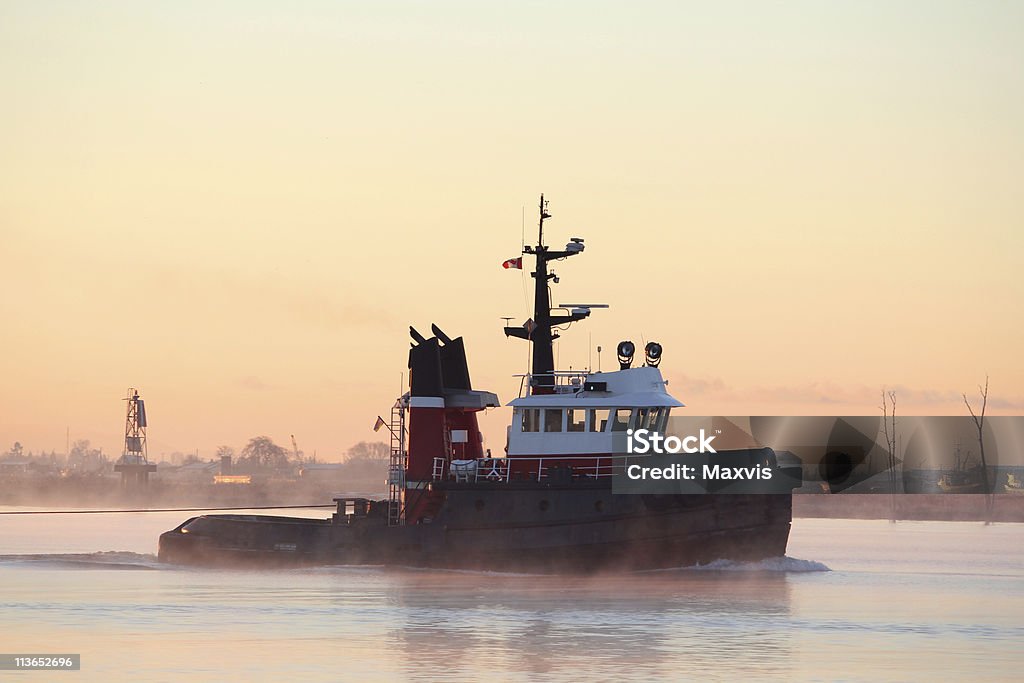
(232, 479)
(198, 472)
(322, 471)
(14, 466)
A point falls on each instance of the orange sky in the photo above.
(239, 209)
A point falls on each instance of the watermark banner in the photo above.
(850, 454)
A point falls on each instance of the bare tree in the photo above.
(262, 452)
(86, 459)
(367, 460)
(369, 451)
(979, 422)
(889, 429)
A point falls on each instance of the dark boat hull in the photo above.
(524, 528)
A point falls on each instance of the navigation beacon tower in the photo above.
(133, 464)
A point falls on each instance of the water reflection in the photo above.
(654, 625)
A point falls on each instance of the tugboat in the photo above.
(546, 505)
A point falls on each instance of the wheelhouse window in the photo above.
(652, 418)
(621, 419)
(531, 420)
(598, 419)
(552, 420)
(575, 420)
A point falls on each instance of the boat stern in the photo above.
(178, 546)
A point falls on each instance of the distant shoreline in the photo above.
(940, 507)
(106, 494)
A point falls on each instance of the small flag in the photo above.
(513, 263)
(380, 423)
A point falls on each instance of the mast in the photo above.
(539, 329)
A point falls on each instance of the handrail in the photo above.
(563, 379)
(536, 469)
(555, 373)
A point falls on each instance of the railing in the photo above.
(526, 469)
(565, 381)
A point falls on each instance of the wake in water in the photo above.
(791, 565)
(111, 559)
(785, 565)
(115, 559)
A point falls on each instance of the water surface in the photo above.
(854, 600)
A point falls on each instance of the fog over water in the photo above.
(855, 600)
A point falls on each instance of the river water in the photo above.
(853, 600)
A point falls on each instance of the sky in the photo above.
(239, 207)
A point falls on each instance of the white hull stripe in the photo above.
(426, 402)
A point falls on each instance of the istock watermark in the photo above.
(644, 441)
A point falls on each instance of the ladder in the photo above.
(396, 465)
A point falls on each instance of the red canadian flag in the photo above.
(513, 263)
